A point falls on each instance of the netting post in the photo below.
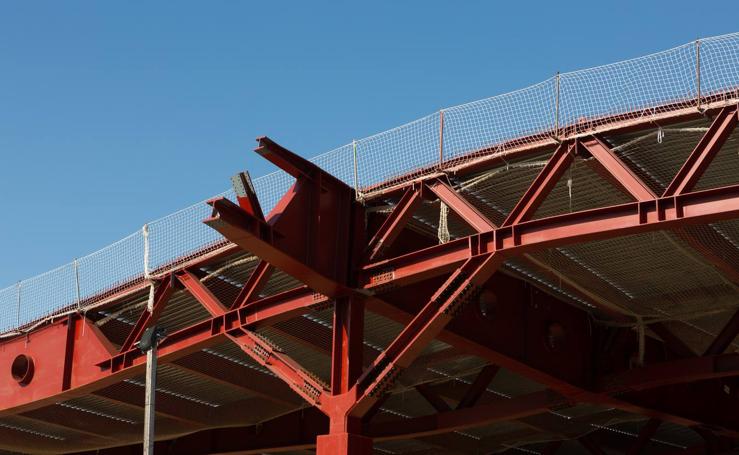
(148, 343)
(441, 137)
(145, 233)
(18, 305)
(698, 71)
(151, 358)
(149, 401)
(556, 105)
(356, 170)
(77, 283)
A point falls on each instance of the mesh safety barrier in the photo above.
(687, 76)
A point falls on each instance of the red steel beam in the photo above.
(394, 223)
(620, 174)
(222, 371)
(704, 152)
(256, 282)
(265, 311)
(636, 217)
(259, 238)
(479, 386)
(177, 345)
(246, 196)
(149, 318)
(542, 185)
(461, 419)
(460, 206)
(347, 347)
(432, 398)
(428, 323)
(679, 371)
(617, 170)
(281, 365)
(259, 350)
(296, 165)
(201, 293)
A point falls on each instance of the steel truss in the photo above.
(317, 234)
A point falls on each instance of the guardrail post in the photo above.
(556, 105)
(145, 233)
(77, 283)
(18, 305)
(356, 170)
(698, 71)
(441, 137)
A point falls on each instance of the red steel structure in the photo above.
(358, 259)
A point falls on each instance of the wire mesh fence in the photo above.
(691, 75)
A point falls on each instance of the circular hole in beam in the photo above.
(22, 369)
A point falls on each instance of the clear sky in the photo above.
(116, 113)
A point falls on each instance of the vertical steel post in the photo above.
(556, 105)
(18, 305)
(441, 137)
(698, 71)
(149, 409)
(77, 283)
(151, 384)
(145, 233)
(356, 170)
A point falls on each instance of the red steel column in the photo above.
(345, 432)
(346, 365)
(346, 356)
(344, 443)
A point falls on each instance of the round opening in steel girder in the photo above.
(486, 304)
(22, 369)
(555, 336)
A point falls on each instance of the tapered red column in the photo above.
(343, 443)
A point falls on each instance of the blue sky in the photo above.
(116, 113)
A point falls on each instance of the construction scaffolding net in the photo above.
(694, 75)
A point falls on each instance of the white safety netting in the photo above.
(689, 76)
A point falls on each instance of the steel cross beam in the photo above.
(657, 214)
(394, 223)
(258, 349)
(460, 206)
(690, 369)
(432, 398)
(256, 282)
(478, 387)
(622, 176)
(542, 185)
(149, 318)
(617, 171)
(704, 152)
(449, 299)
